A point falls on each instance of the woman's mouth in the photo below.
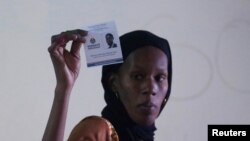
(147, 107)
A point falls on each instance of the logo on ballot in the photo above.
(92, 40)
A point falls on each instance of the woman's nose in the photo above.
(150, 87)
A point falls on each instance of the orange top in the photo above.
(93, 128)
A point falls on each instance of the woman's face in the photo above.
(142, 84)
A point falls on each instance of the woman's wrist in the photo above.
(63, 91)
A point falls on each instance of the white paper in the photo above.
(102, 45)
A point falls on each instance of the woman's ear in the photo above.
(113, 82)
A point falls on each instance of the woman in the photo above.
(135, 91)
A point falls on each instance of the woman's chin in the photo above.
(145, 120)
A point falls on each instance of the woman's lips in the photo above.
(147, 107)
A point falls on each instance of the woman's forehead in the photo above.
(147, 52)
(147, 56)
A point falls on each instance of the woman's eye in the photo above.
(160, 78)
(138, 77)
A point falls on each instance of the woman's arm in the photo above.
(67, 66)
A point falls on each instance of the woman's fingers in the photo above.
(72, 35)
(60, 40)
(76, 44)
(75, 48)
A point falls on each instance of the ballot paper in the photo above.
(102, 45)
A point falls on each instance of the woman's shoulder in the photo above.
(93, 128)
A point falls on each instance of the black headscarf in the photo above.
(115, 112)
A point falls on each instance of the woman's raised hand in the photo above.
(66, 62)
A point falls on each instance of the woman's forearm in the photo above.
(57, 120)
